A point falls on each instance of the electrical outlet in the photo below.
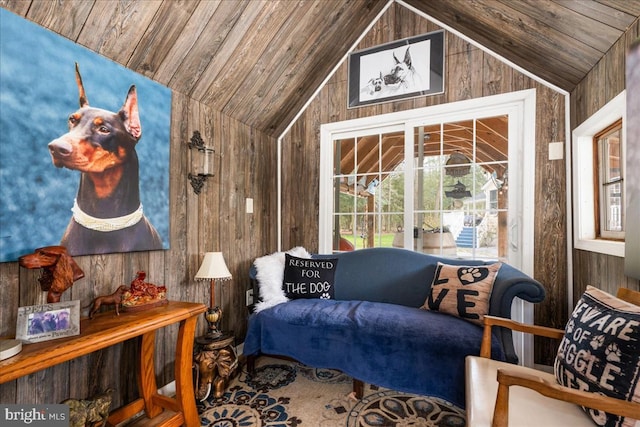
(249, 297)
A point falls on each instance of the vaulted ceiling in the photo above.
(259, 61)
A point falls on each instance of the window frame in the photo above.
(521, 108)
(584, 225)
(602, 159)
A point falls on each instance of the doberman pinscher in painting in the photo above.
(101, 145)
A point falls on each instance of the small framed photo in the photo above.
(48, 321)
(401, 69)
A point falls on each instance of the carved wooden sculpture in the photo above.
(59, 270)
(215, 363)
(113, 299)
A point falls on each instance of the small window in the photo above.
(587, 185)
(609, 185)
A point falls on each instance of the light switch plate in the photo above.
(249, 205)
(556, 150)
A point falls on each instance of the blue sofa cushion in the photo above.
(391, 275)
(309, 278)
(394, 346)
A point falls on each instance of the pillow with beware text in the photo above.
(600, 352)
(309, 278)
(462, 290)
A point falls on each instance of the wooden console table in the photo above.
(107, 329)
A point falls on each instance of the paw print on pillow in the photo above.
(613, 352)
(325, 296)
(570, 326)
(470, 275)
(597, 342)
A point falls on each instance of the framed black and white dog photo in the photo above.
(401, 69)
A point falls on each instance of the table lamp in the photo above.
(213, 267)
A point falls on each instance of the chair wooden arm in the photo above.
(624, 294)
(508, 377)
(629, 295)
(489, 321)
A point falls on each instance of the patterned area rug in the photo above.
(289, 394)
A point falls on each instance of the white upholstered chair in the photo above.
(499, 394)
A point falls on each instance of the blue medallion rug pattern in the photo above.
(289, 394)
(392, 408)
(241, 408)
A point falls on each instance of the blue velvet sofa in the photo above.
(374, 330)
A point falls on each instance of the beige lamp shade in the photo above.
(213, 267)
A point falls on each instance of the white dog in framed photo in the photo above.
(373, 86)
(401, 78)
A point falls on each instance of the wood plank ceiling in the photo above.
(259, 61)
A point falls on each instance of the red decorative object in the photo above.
(142, 295)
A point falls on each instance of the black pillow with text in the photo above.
(309, 278)
(600, 352)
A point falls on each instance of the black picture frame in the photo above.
(401, 69)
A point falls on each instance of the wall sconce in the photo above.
(201, 161)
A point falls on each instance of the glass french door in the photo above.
(460, 188)
(368, 189)
(445, 192)
(453, 179)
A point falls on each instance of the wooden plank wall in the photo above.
(471, 73)
(213, 221)
(601, 85)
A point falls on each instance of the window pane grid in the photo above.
(448, 194)
(610, 197)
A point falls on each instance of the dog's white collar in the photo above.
(105, 224)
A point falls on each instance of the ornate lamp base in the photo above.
(213, 316)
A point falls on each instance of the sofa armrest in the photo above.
(509, 284)
(509, 377)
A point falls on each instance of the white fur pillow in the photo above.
(270, 274)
